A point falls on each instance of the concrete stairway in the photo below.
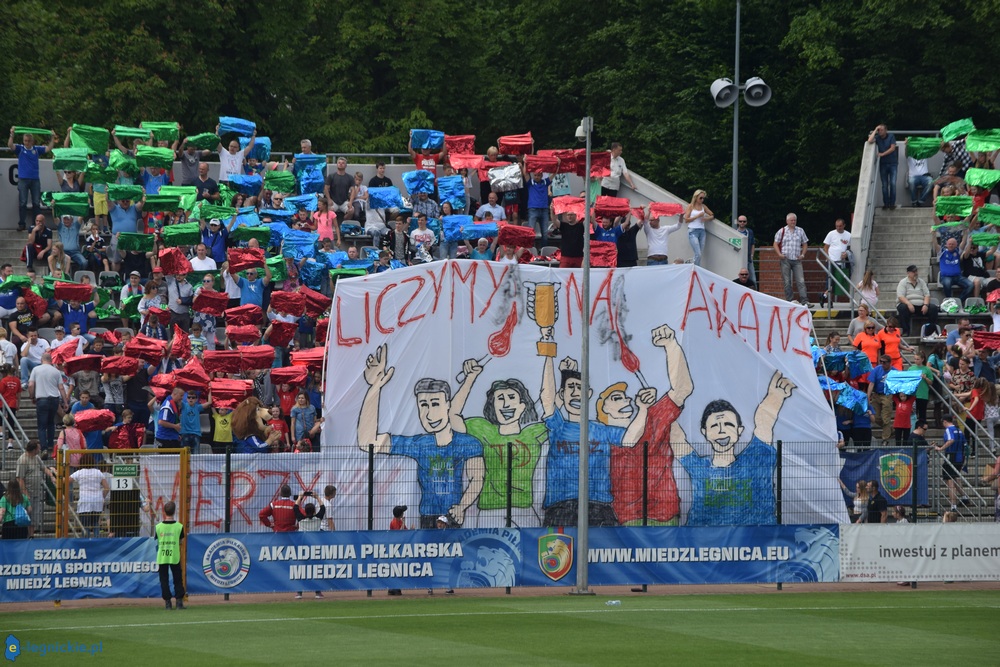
(900, 238)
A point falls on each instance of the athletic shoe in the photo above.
(180, 604)
(319, 596)
(298, 596)
(965, 501)
(167, 605)
(449, 592)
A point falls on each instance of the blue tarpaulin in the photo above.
(853, 399)
(452, 225)
(384, 198)
(903, 382)
(419, 180)
(451, 190)
(239, 126)
(431, 139)
(308, 202)
(261, 148)
(248, 185)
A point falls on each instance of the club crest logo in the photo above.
(555, 555)
(896, 474)
(226, 562)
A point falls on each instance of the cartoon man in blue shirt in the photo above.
(730, 487)
(444, 454)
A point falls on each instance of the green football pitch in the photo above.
(864, 628)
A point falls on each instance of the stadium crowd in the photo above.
(154, 280)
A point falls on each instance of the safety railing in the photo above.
(13, 430)
(837, 279)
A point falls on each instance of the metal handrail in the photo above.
(12, 427)
(850, 288)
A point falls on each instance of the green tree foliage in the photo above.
(355, 76)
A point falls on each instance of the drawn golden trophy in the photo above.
(543, 308)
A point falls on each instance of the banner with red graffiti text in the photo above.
(463, 379)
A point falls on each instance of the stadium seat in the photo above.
(121, 330)
(47, 334)
(548, 251)
(79, 274)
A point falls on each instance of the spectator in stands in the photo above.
(380, 180)
(59, 260)
(22, 320)
(32, 351)
(539, 196)
(743, 278)
(919, 181)
(984, 365)
(868, 289)
(913, 296)
(790, 244)
(657, 239)
(39, 244)
(190, 158)
(949, 261)
(955, 153)
(962, 377)
(30, 474)
(892, 342)
(326, 223)
(867, 341)
(612, 183)
(28, 179)
(180, 296)
(46, 392)
(888, 161)
(930, 375)
(69, 236)
(974, 262)
(741, 227)
(424, 238)
(337, 190)
(628, 253)
(214, 235)
(837, 246)
(425, 159)
(903, 405)
(878, 398)
(424, 205)
(251, 287)
(696, 214)
(208, 189)
(358, 198)
(397, 241)
(201, 261)
(495, 209)
(11, 499)
(232, 160)
(573, 238)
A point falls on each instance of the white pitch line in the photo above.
(616, 610)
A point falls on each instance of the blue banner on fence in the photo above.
(681, 555)
(73, 569)
(261, 562)
(469, 558)
(893, 469)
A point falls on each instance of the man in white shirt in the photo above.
(611, 184)
(491, 207)
(918, 180)
(656, 240)
(31, 354)
(231, 160)
(837, 246)
(201, 261)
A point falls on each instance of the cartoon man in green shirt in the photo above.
(509, 416)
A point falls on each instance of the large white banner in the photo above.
(921, 552)
(439, 366)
